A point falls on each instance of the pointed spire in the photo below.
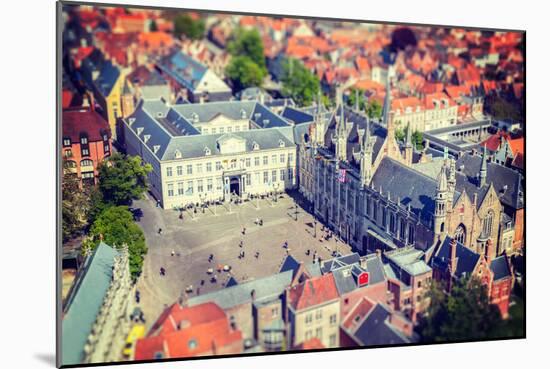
(483, 167)
(442, 180)
(366, 136)
(452, 171)
(387, 101)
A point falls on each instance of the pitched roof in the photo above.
(500, 268)
(411, 187)
(311, 344)
(77, 121)
(187, 331)
(376, 329)
(313, 292)
(84, 302)
(466, 259)
(264, 288)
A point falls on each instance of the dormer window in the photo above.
(66, 142)
(156, 148)
(255, 146)
(195, 117)
(281, 143)
(83, 139)
(243, 114)
(105, 137)
(139, 130)
(177, 154)
(146, 138)
(207, 151)
(131, 120)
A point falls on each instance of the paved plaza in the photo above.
(218, 231)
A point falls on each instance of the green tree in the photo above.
(243, 73)
(501, 109)
(115, 225)
(75, 204)
(299, 83)
(400, 134)
(357, 94)
(248, 44)
(464, 314)
(417, 139)
(123, 179)
(184, 24)
(374, 109)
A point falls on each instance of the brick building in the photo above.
(86, 142)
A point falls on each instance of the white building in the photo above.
(212, 151)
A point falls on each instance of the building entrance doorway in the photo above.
(234, 186)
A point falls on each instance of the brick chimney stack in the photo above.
(452, 256)
(489, 251)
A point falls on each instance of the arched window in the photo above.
(488, 223)
(460, 233)
(392, 223)
(86, 163)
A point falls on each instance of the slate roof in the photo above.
(346, 270)
(500, 268)
(467, 169)
(376, 329)
(188, 72)
(296, 115)
(355, 122)
(409, 259)
(290, 263)
(409, 186)
(466, 258)
(171, 128)
(499, 175)
(264, 288)
(84, 302)
(107, 78)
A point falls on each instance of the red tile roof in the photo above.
(311, 344)
(437, 96)
(76, 121)
(189, 331)
(362, 308)
(313, 292)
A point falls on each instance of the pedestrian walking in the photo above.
(173, 252)
(241, 243)
(257, 254)
(160, 231)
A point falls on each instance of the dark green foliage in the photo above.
(464, 314)
(185, 25)
(115, 224)
(374, 109)
(243, 73)
(400, 134)
(123, 179)
(248, 44)
(299, 83)
(357, 94)
(247, 67)
(500, 109)
(417, 140)
(75, 205)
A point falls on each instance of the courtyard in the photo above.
(184, 246)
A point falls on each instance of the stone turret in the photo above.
(366, 156)
(441, 196)
(451, 183)
(482, 175)
(409, 147)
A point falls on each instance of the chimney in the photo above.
(489, 251)
(363, 263)
(453, 256)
